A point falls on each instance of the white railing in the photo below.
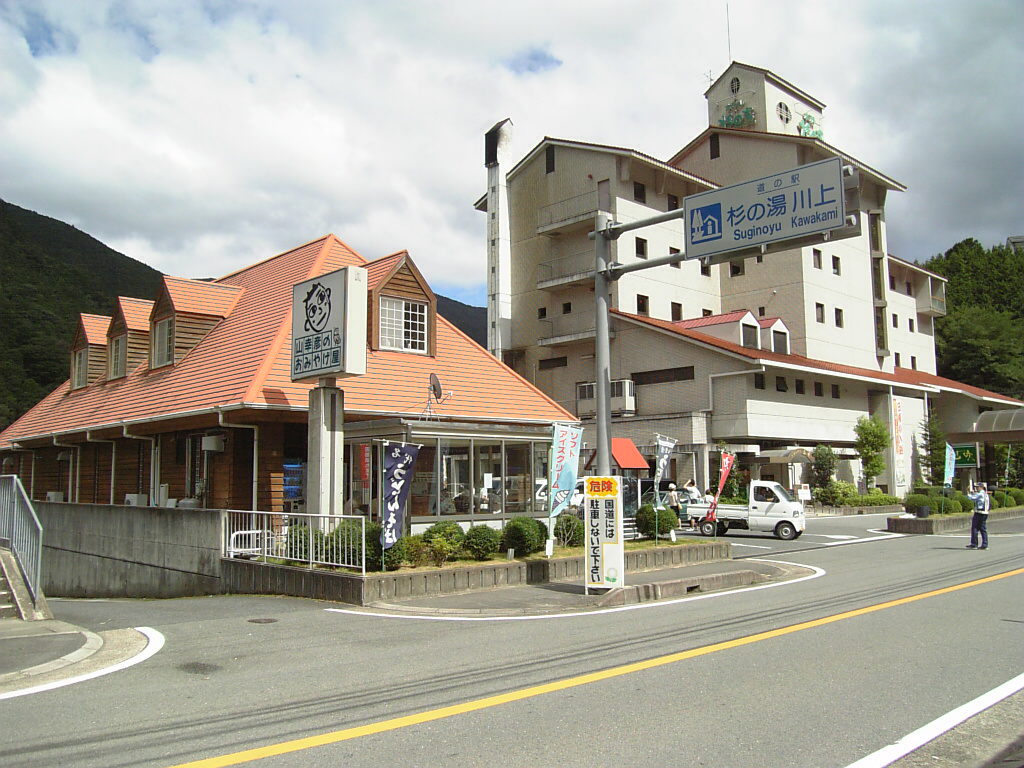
(303, 539)
(21, 531)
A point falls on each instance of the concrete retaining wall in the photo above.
(946, 523)
(94, 550)
(250, 577)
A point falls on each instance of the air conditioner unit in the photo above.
(622, 398)
(213, 443)
(136, 499)
(55, 495)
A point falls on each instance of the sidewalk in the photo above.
(33, 649)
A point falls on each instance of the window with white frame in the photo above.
(116, 368)
(163, 342)
(79, 368)
(403, 325)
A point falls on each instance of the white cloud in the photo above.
(202, 137)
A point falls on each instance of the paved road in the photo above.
(742, 679)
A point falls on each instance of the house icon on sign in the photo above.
(706, 223)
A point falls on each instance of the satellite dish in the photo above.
(435, 387)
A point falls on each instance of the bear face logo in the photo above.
(318, 307)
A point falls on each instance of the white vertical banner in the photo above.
(898, 447)
(605, 545)
(565, 458)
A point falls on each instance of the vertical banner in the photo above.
(565, 460)
(898, 446)
(947, 473)
(728, 459)
(398, 461)
(665, 446)
(605, 556)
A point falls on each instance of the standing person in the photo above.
(673, 501)
(693, 496)
(979, 522)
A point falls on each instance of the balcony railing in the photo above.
(567, 211)
(567, 328)
(566, 269)
(931, 305)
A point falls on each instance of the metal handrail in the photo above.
(21, 530)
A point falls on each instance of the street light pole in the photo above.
(602, 352)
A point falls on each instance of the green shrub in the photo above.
(915, 501)
(522, 535)
(447, 529)
(994, 502)
(650, 520)
(417, 553)
(832, 495)
(482, 541)
(1004, 499)
(878, 499)
(542, 529)
(299, 539)
(342, 545)
(393, 556)
(442, 549)
(569, 530)
(965, 504)
(953, 507)
(1018, 497)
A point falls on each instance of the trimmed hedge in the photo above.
(482, 541)
(569, 530)
(915, 501)
(447, 529)
(649, 520)
(523, 535)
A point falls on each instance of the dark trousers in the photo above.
(979, 524)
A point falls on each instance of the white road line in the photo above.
(830, 536)
(580, 615)
(156, 642)
(884, 536)
(934, 729)
(752, 546)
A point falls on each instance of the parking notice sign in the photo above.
(602, 519)
(801, 201)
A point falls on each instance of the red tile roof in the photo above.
(901, 376)
(699, 322)
(765, 322)
(135, 312)
(200, 297)
(244, 361)
(95, 328)
(627, 455)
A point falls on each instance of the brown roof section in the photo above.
(199, 297)
(699, 322)
(135, 312)
(377, 271)
(244, 361)
(901, 376)
(95, 328)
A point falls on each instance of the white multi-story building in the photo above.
(764, 354)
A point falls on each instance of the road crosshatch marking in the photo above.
(383, 726)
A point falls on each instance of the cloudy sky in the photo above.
(199, 136)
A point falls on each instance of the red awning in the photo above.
(626, 455)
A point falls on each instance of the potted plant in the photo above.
(918, 504)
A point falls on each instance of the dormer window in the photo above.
(749, 336)
(117, 364)
(79, 368)
(163, 342)
(403, 325)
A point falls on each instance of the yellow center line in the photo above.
(382, 726)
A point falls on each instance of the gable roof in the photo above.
(769, 75)
(879, 177)
(767, 322)
(901, 377)
(244, 362)
(727, 317)
(135, 312)
(94, 328)
(199, 297)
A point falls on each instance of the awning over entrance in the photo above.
(785, 456)
(627, 455)
(1003, 426)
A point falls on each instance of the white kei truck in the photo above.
(770, 508)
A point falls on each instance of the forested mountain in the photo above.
(50, 272)
(979, 341)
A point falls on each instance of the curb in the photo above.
(644, 593)
(93, 643)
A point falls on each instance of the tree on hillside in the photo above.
(981, 346)
(978, 276)
(872, 440)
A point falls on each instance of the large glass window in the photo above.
(403, 325)
(456, 479)
(423, 493)
(518, 480)
(487, 480)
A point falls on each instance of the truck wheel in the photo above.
(786, 531)
(707, 528)
(722, 528)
